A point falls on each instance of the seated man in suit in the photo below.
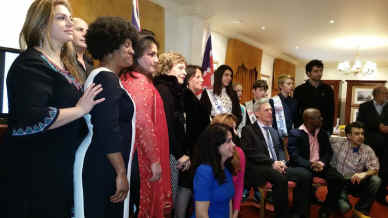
(310, 148)
(266, 162)
(358, 165)
(259, 91)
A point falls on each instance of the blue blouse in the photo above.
(207, 188)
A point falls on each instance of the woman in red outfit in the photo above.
(151, 140)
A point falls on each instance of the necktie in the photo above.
(270, 143)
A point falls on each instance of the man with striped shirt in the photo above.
(358, 165)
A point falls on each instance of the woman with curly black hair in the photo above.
(222, 99)
(213, 184)
(103, 160)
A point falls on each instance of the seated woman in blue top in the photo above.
(213, 184)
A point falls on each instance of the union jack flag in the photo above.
(207, 64)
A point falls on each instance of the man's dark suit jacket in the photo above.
(299, 148)
(256, 152)
(368, 115)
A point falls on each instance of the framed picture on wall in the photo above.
(362, 94)
(357, 92)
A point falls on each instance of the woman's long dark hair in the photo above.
(206, 151)
(217, 88)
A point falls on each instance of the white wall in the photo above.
(183, 33)
(267, 68)
(12, 15)
(220, 45)
(178, 33)
(186, 35)
(300, 75)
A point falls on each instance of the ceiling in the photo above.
(301, 28)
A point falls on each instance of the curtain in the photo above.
(246, 77)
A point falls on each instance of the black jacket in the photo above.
(368, 115)
(299, 148)
(172, 95)
(197, 119)
(321, 98)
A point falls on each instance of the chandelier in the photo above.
(357, 66)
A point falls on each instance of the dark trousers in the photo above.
(383, 173)
(302, 192)
(279, 182)
(134, 197)
(366, 190)
(335, 183)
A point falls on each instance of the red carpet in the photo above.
(251, 209)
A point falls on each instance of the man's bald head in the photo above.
(380, 94)
(312, 118)
(310, 112)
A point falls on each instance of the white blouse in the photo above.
(225, 101)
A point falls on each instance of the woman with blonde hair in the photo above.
(169, 82)
(238, 88)
(238, 161)
(284, 107)
(46, 106)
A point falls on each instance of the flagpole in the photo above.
(136, 15)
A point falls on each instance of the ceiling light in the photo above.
(331, 21)
(297, 47)
(358, 66)
(263, 27)
(236, 21)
